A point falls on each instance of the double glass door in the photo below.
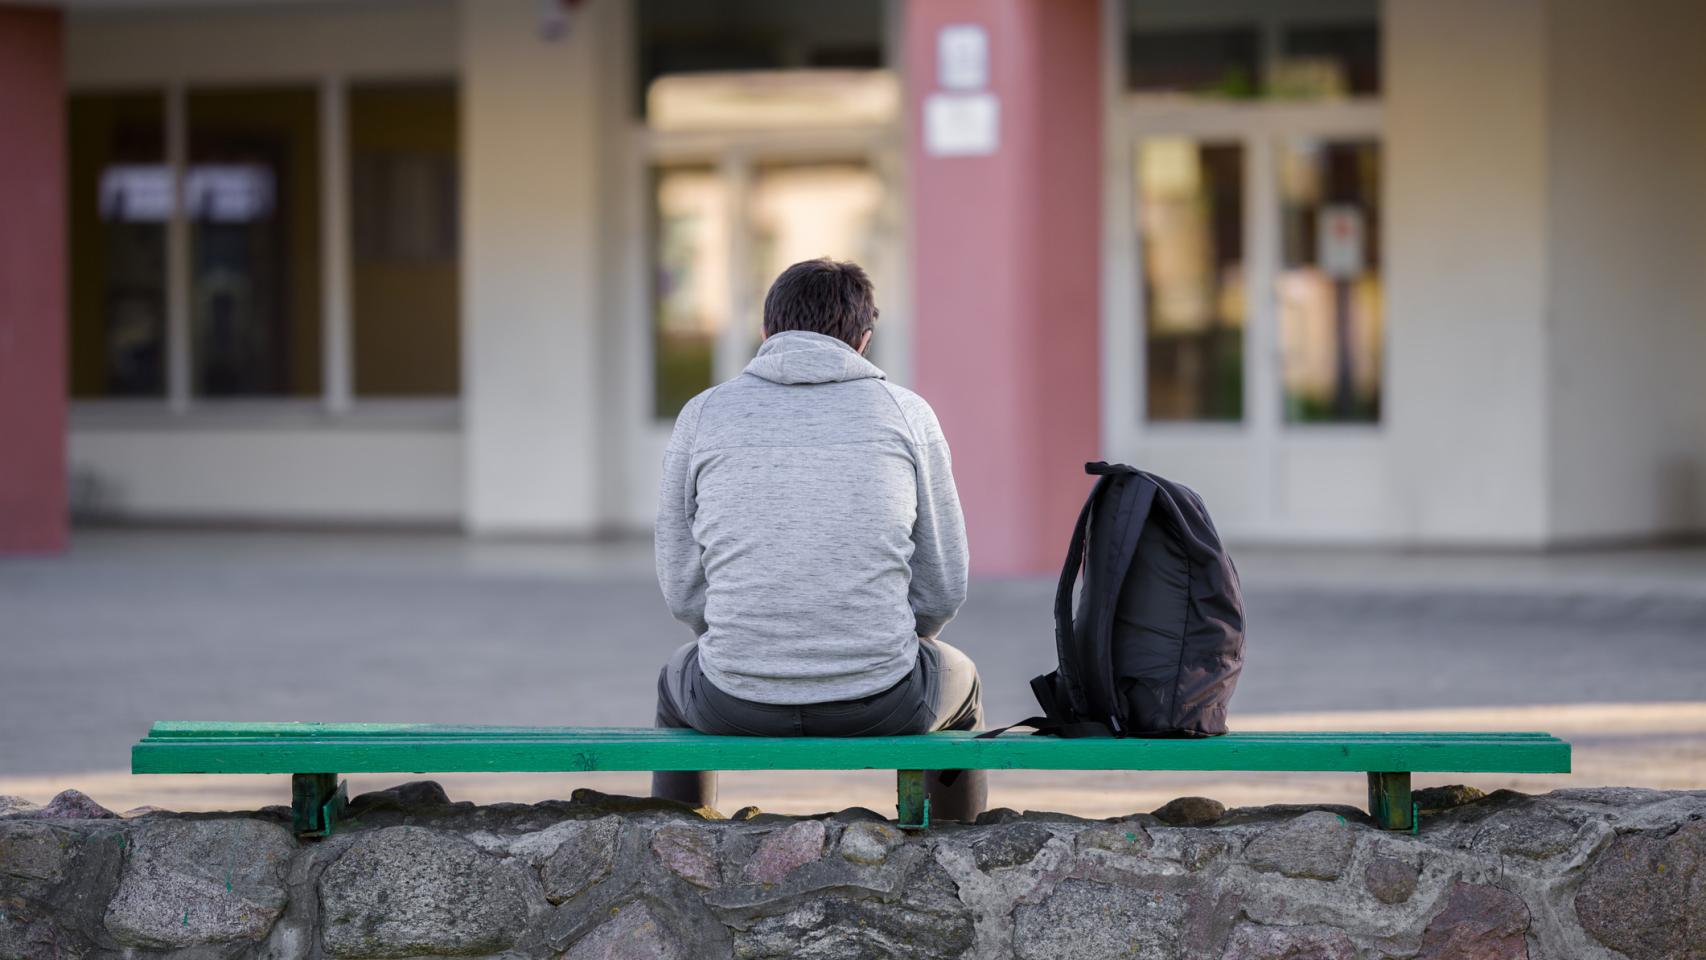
(722, 231)
(1249, 292)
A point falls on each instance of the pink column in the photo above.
(32, 282)
(1007, 248)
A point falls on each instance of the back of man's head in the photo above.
(831, 297)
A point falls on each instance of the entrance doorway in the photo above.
(1242, 319)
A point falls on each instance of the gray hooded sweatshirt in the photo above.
(808, 528)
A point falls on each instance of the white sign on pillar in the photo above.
(965, 121)
(961, 124)
(962, 57)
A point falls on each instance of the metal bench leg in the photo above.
(1389, 801)
(317, 802)
(914, 802)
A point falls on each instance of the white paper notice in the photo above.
(961, 124)
(1340, 241)
(962, 57)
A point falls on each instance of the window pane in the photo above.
(1190, 208)
(252, 194)
(1284, 49)
(403, 280)
(120, 199)
(811, 210)
(1330, 286)
(1329, 60)
(747, 38)
(691, 292)
(1211, 62)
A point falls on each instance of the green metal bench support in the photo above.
(317, 803)
(1388, 759)
(1389, 801)
(913, 803)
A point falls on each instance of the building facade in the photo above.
(1404, 272)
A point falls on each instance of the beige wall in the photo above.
(1467, 152)
(531, 258)
(106, 47)
(293, 470)
(1626, 290)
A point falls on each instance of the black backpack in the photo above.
(1157, 642)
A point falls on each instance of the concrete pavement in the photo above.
(138, 625)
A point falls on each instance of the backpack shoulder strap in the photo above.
(1130, 514)
(1067, 681)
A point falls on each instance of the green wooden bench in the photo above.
(315, 753)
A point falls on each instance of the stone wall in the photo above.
(1572, 875)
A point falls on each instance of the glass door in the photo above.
(1249, 330)
(723, 231)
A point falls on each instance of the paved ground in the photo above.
(134, 626)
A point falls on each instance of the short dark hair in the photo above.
(831, 297)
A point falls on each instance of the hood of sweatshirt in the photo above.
(796, 356)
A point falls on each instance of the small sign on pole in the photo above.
(1340, 241)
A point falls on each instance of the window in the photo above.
(253, 204)
(800, 211)
(252, 195)
(1330, 284)
(753, 37)
(1236, 49)
(1217, 61)
(403, 277)
(1190, 198)
(1329, 60)
(691, 295)
(120, 197)
(763, 125)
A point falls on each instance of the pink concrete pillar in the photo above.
(32, 281)
(1007, 247)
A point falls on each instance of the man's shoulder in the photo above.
(687, 420)
(916, 411)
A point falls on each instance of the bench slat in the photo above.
(182, 747)
(199, 730)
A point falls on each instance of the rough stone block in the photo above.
(689, 852)
(191, 882)
(1437, 799)
(1011, 846)
(927, 921)
(1316, 846)
(869, 843)
(407, 891)
(1088, 920)
(1256, 942)
(632, 933)
(1478, 923)
(1389, 880)
(782, 852)
(1526, 835)
(35, 851)
(1190, 812)
(73, 805)
(586, 856)
(403, 796)
(1645, 895)
(1128, 838)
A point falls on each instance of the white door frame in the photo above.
(736, 156)
(1260, 127)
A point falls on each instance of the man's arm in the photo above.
(939, 554)
(681, 573)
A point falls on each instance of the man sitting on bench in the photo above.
(809, 533)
